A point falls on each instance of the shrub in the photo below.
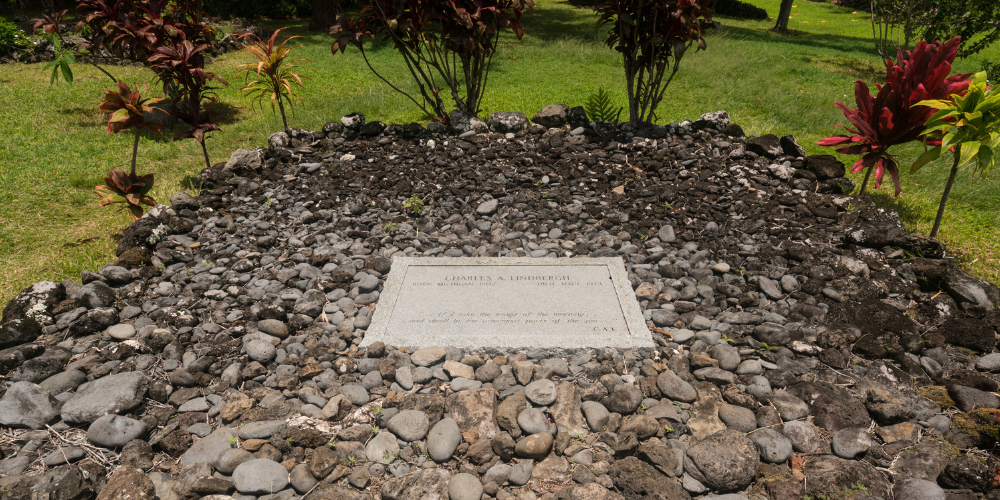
(275, 78)
(891, 117)
(129, 110)
(967, 124)
(739, 10)
(128, 189)
(446, 44)
(652, 36)
(11, 37)
(181, 66)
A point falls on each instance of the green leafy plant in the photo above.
(968, 125)
(725, 338)
(11, 37)
(667, 428)
(765, 347)
(60, 65)
(600, 108)
(274, 70)
(128, 189)
(375, 429)
(414, 205)
(652, 36)
(376, 410)
(351, 459)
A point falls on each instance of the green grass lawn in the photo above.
(55, 149)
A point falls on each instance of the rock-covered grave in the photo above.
(806, 343)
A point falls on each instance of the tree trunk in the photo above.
(204, 150)
(864, 184)
(281, 108)
(324, 15)
(944, 197)
(783, 14)
(135, 148)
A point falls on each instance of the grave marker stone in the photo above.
(507, 303)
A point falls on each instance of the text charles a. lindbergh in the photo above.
(501, 278)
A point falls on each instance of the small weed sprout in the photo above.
(414, 205)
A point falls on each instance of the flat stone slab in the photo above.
(508, 303)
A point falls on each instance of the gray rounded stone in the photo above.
(464, 486)
(533, 421)
(749, 367)
(63, 381)
(27, 405)
(261, 351)
(64, 455)
(805, 436)
(302, 479)
(989, 362)
(520, 473)
(260, 476)
(675, 388)
(356, 394)
(919, 489)
(230, 459)
(774, 447)
(114, 431)
(541, 392)
(428, 356)
(382, 448)
(404, 377)
(409, 425)
(488, 207)
(443, 440)
(121, 331)
(108, 394)
(851, 442)
(273, 327)
(738, 417)
(597, 415)
(261, 429)
(760, 388)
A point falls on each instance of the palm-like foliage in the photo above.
(130, 109)
(275, 76)
(969, 125)
(129, 189)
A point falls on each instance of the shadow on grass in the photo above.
(801, 39)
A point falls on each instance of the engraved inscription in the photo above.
(508, 302)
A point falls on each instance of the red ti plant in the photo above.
(891, 117)
(182, 64)
(446, 44)
(129, 109)
(129, 189)
(652, 36)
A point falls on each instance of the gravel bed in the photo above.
(806, 343)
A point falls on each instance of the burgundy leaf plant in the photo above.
(891, 117)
